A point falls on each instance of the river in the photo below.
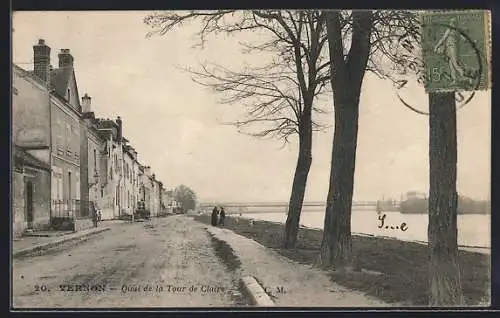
(473, 229)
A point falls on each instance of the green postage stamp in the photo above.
(456, 50)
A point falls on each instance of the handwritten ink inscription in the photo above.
(382, 218)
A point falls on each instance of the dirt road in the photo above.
(166, 262)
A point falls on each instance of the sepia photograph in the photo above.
(250, 158)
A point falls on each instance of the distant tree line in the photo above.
(465, 205)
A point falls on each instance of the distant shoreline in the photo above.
(358, 206)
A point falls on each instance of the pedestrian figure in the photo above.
(98, 212)
(93, 212)
(222, 216)
(215, 212)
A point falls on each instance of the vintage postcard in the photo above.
(250, 158)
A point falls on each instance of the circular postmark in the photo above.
(463, 78)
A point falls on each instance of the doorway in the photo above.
(29, 205)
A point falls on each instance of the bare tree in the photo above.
(280, 95)
(396, 39)
(445, 285)
(358, 41)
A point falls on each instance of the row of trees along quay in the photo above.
(316, 53)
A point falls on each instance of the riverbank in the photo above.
(473, 230)
(393, 271)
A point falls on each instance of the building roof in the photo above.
(129, 153)
(59, 79)
(106, 134)
(107, 123)
(25, 159)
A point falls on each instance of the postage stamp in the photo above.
(456, 50)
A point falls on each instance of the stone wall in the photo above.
(30, 111)
(40, 180)
(17, 203)
(41, 196)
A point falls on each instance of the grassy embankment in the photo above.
(393, 271)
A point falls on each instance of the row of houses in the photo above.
(64, 157)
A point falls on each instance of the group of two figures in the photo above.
(218, 216)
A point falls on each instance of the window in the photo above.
(68, 139)
(69, 186)
(54, 181)
(57, 184)
(59, 144)
(77, 185)
(60, 186)
(117, 193)
(95, 160)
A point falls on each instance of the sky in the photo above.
(175, 124)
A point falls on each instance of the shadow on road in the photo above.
(232, 263)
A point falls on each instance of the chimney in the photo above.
(119, 123)
(147, 170)
(41, 60)
(65, 58)
(86, 102)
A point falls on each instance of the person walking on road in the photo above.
(215, 213)
(222, 216)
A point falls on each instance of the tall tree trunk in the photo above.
(336, 244)
(299, 181)
(445, 281)
(346, 79)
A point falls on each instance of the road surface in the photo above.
(165, 262)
